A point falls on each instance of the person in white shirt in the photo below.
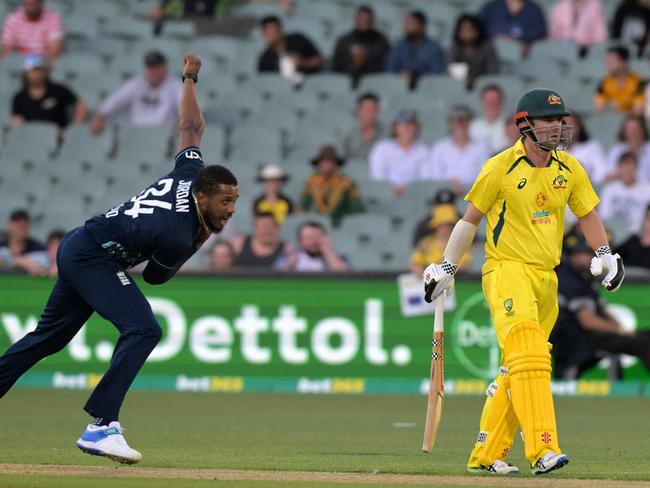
(315, 252)
(459, 157)
(400, 160)
(586, 149)
(626, 198)
(633, 137)
(492, 125)
(151, 99)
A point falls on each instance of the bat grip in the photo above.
(438, 318)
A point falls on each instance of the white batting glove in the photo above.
(613, 264)
(438, 278)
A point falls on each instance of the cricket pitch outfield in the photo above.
(260, 440)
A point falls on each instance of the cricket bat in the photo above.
(437, 378)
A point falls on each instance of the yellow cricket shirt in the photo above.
(525, 205)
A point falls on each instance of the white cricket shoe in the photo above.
(497, 467)
(549, 462)
(108, 441)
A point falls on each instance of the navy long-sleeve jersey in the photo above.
(159, 224)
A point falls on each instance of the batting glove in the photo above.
(438, 278)
(613, 264)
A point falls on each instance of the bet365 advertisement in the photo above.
(310, 334)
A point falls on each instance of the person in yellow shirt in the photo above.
(273, 200)
(430, 248)
(523, 191)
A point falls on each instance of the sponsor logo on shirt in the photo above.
(522, 183)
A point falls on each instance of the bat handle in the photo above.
(438, 318)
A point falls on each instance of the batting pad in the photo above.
(529, 362)
(498, 424)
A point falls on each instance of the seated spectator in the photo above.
(431, 247)
(416, 54)
(33, 29)
(52, 246)
(363, 50)
(273, 200)
(491, 127)
(632, 23)
(328, 190)
(315, 252)
(585, 327)
(358, 141)
(622, 89)
(400, 159)
(19, 251)
(151, 99)
(588, 150)
(626, 198)
(291, 55)
(459, 157)
(222, 256)
(582, 22)
(42, 100)
(519, 20)
(423, 227)
(471, 54)
(633, 137)
(636, 250)
(264, 248)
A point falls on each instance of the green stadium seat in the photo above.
(142, 144)
(377, 196)
(605, 127)
(509, 52)
(73, 66)
(384, 83)
(80, 145)
(178, 29)
(447, 90)
(33, 140)
(128, 28)
(222, 49)
(546, 50)
(327, 85)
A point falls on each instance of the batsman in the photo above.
(524, 191)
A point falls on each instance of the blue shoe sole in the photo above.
(97, 452)
(561, 463)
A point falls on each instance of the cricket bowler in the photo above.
(524, 191)
(164, 225)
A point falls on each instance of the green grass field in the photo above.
(606, 438)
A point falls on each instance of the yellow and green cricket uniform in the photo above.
(524, 206)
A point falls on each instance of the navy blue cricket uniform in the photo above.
(159, 225)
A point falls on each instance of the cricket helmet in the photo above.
(543, 103)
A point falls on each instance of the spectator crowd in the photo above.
(383, 145)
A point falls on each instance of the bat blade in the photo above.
(436, 382)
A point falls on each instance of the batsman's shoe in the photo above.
(108, 441)
(497, 467)
(549, 462)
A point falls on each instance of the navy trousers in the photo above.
(90, 280)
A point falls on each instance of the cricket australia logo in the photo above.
(507, 304)
(123, 278)
(553, 99)
(560, 181)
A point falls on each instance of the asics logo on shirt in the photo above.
(522, 183)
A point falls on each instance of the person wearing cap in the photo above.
(400, 159)
(423, 228)
(273, 200)
(33, 29)
(40, 99)
(150, 99)
(524, 192)
(19, 251)
(430, 248)
(585, 326)
(458, 157)
(328, 191)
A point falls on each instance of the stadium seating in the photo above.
(260, 118)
